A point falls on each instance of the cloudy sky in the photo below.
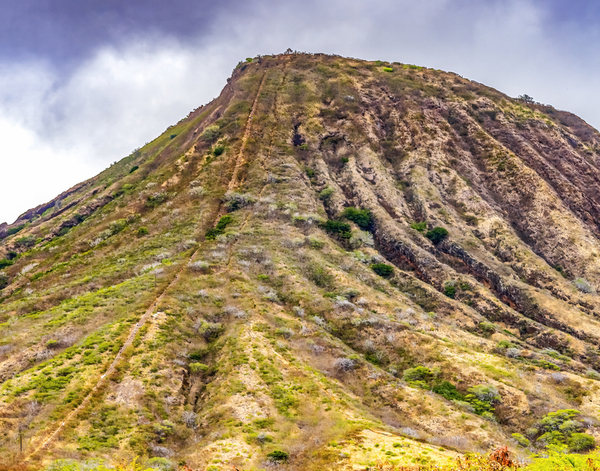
(84, 82)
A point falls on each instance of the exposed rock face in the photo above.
(217, 291)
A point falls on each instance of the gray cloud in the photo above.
(65, 115)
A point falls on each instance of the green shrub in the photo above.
(211, 331)
(581, 442)
(450, 290)
(218, 150)
(521, 440)
(487, 327)
(558, 460)
(278, 456)
(482, 398)
(219, 229)
(321, 277)
(117, 226)
(449, 391)
(315, 243)
(198, 355)
(142, 231)
(343, 229)
(419, 226)
(3, 280)
(156, 199)
(5, 263)
(437, 234)
(388, 69)
(362, 217)
(14, 230)
(326, 193)
(418, 373)
(198, 367)
(554, 420)
(383, 269)
(134, 168)
(505, 344)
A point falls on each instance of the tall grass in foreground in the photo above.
(502, 460)
(499, 460)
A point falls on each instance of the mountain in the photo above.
(332, 263)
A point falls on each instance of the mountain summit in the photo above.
(334, 262)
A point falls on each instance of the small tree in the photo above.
(526, 98)
(362, 217)
(437, 234)
(383, 269)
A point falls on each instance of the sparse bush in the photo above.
(198, 367)
(487, 327)
(383, 269)
(210, 331)
(513, 352)
(298, 311)
(584, 286)
(3, 280)
(26, 242)
(142, 231)
(117, 226)
(285, 332)
(315, 243)
(197, 191)
(521, 440)
(199, 266)
(211, 133)
(235, 201)
(321, 277)
(344, 364)
(419, 226)
(362, 217)
(360, 239)
(437, 234)
(156, 199)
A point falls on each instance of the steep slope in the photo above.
(211, 298)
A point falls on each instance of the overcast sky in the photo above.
(84, 82)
